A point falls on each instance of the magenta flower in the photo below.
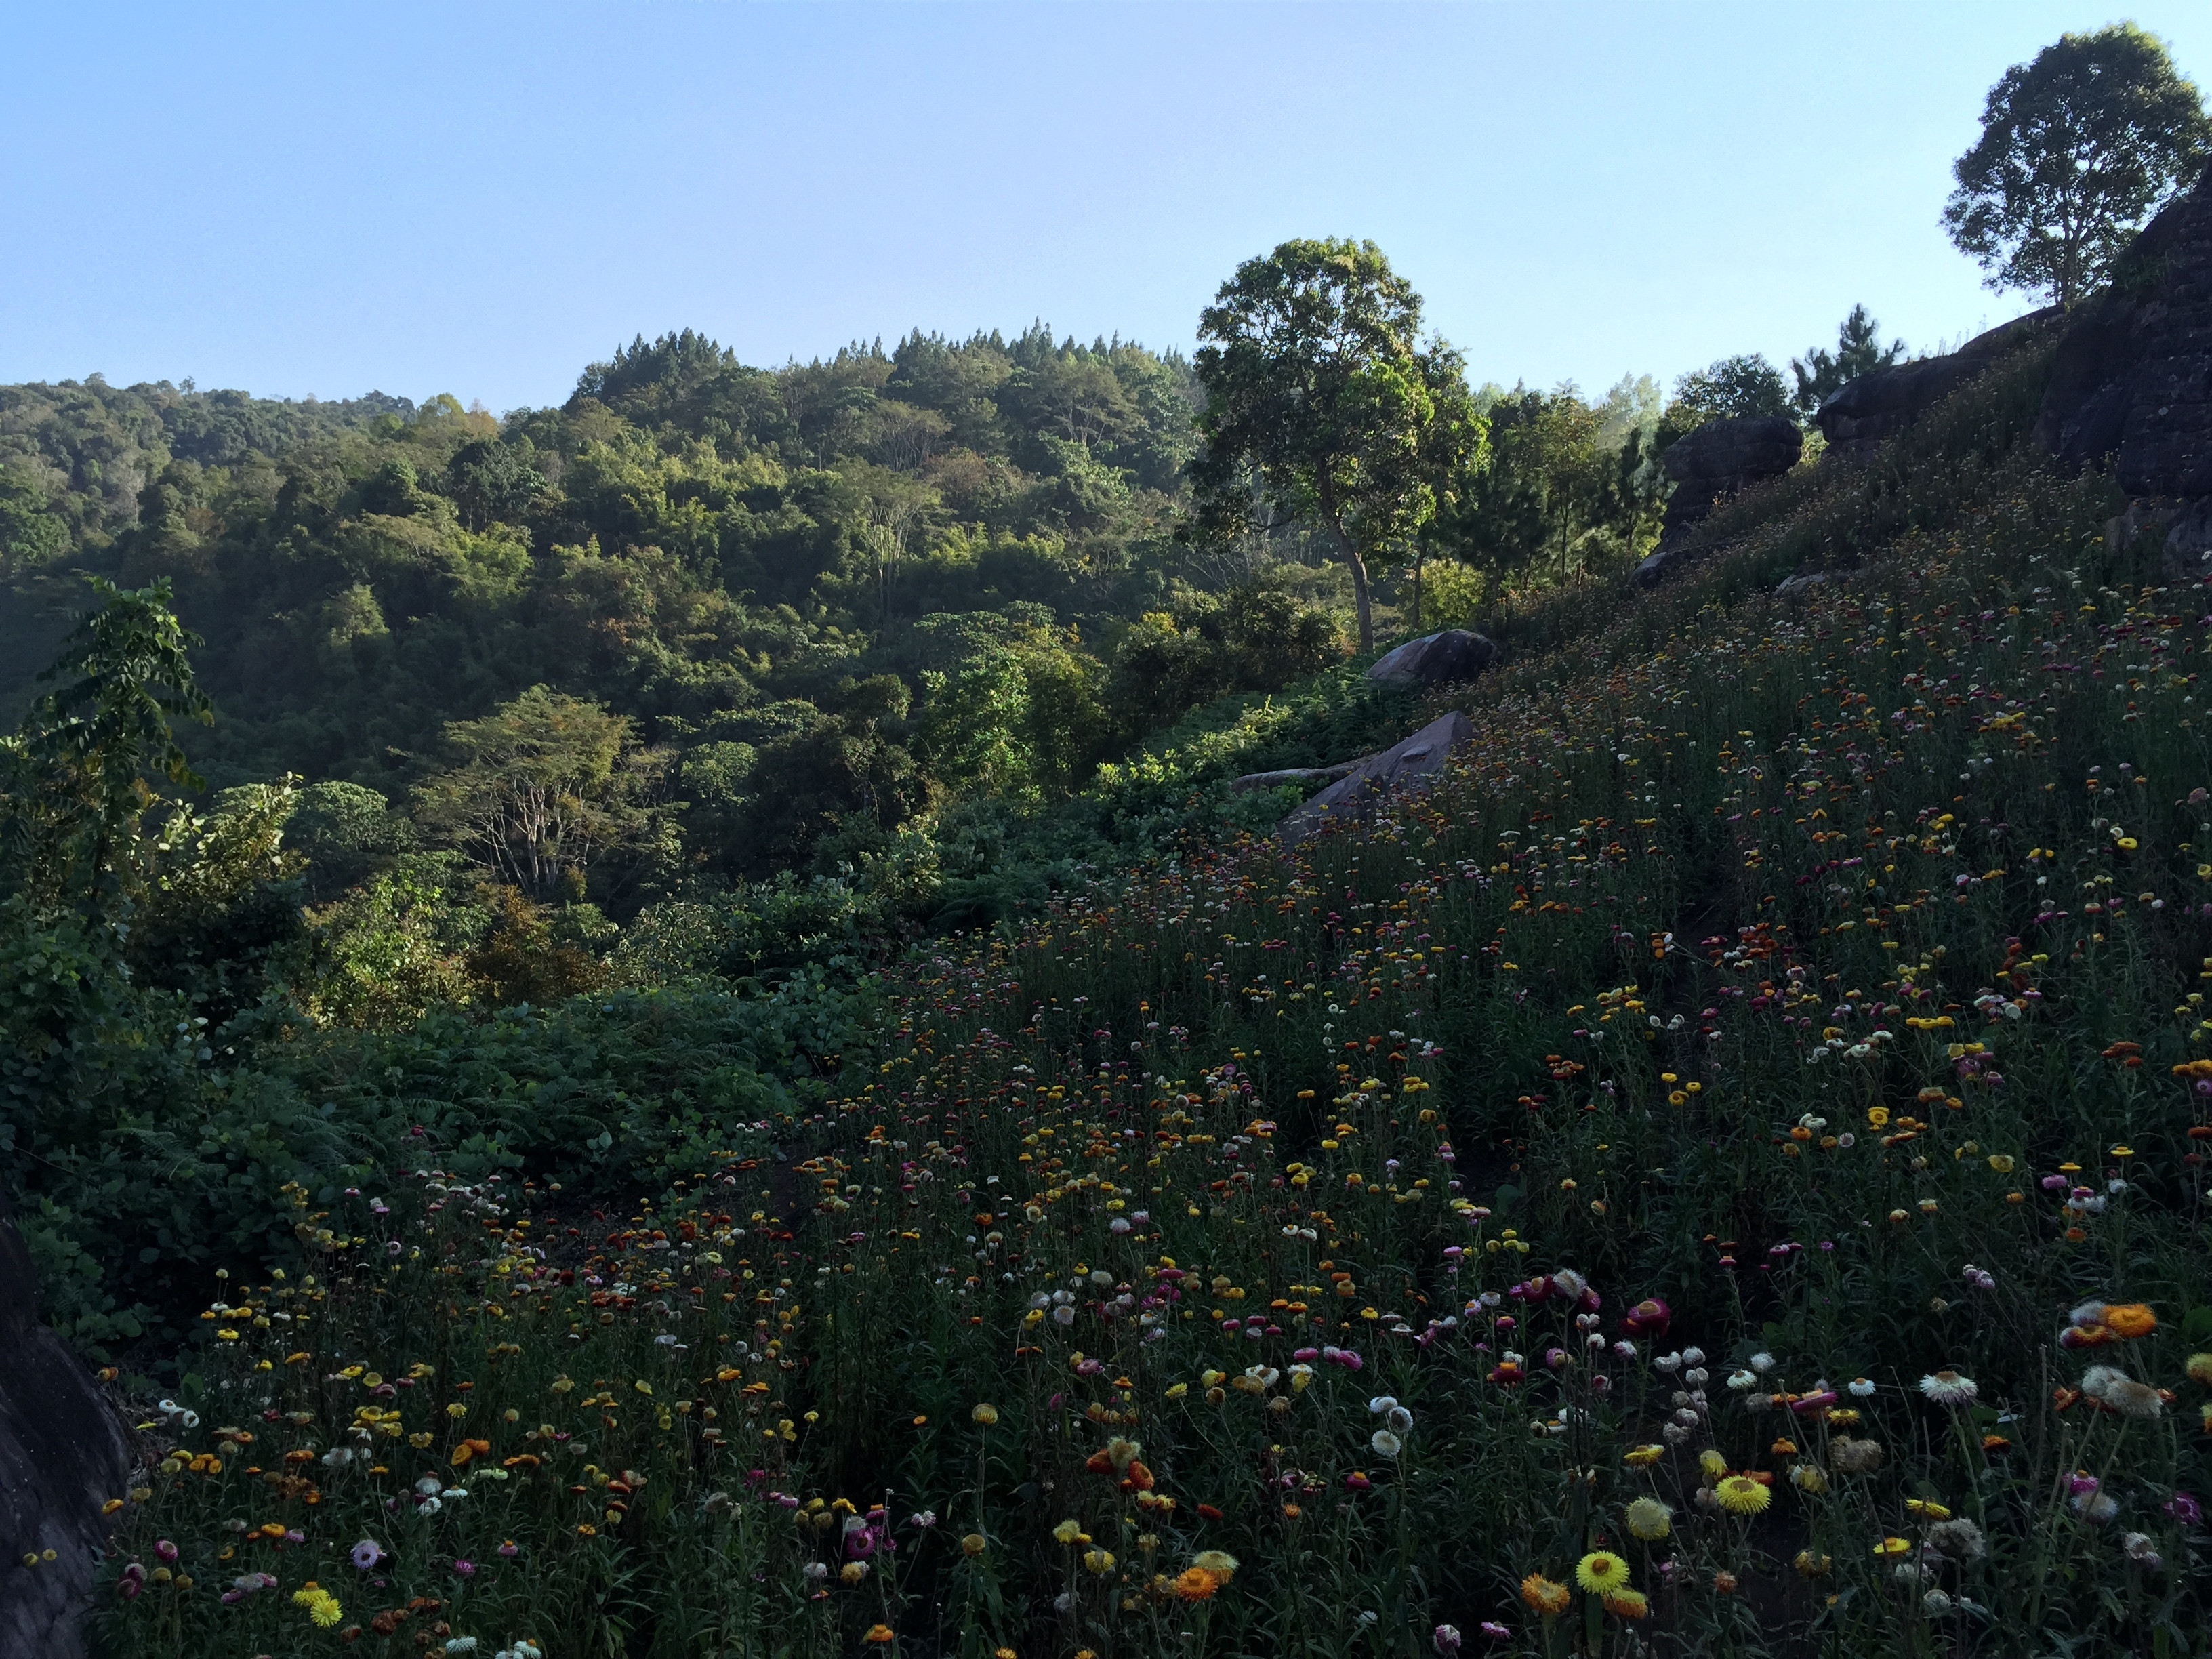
(165, 1551)
(465, 1569)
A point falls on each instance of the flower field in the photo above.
(1722, 1172)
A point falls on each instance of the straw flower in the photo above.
(1947, 1387)
(1218, 1564)
(2121, 1393)
(2130, 1320)
(984, 1415)
(1543, 1595)
(2199, 1368)
(1650, 1520)
(1194, 1585)
(1627, 1604)
(1738, 1494)
(1601, 1572)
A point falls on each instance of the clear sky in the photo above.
(328, 198)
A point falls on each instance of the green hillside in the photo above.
(1720, 1170)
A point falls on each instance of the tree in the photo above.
(2076, 149)
(1323, 396)
(75, 774)
(1735, 388)
(543, 784)
(1821, 372)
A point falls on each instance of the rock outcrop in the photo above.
(1446, 659)
(1708, 464)
(1310, 776)
(61, 1456)
(1857, 416)
(2131, 381)
(1359, 790)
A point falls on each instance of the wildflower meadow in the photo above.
(1721, 1171)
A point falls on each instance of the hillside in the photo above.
(1721, 1171)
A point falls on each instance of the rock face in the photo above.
(2131, 380)
(1708, 466)
(1356, 795)
(1309, 775)
(62, 1455)
(1860, 414)
(1444, 659)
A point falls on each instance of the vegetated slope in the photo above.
(1722, 1169)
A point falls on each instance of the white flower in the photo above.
(1693, 1356)
(1862, 1388)
(2142, 1550)
(1386, 1444)
(1380, 1403)
(1399, 1420)
(2121, 1392)
(1947, 1387)
(1741, 1380)
(1762, 1362)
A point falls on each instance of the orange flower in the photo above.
(1543, 1595)
(1195, 1584)
(2132, 1319)
(880, 1633)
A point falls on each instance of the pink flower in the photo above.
(1649, 1318)
(466, 1569)
(165, 1551)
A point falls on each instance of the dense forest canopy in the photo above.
(609, 675)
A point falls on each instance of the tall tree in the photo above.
(543, 786)
(1859, 350)
(2076, 149)
(1322, 396)
(75, 775)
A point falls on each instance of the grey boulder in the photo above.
(1356, 794)
(61, 1456)
(1448, 658)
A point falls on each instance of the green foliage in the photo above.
(1324, 398)
(1731, 389)
(541, 789)
(2077, 148)
(1859, 351)
(74, 775)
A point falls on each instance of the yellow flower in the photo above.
(1601, 1572)
(984, 1415)
(1926, 1509)
(1068, 1531)
(1641, 1457)
(1098, 1561)
(1219, 1565)
(2001, 1163)
(1650, 1519)
(973, 1544)
(1740, 1494)
(1542, 1595)
(1812, 1565)
(1893, 1546)
(1808, 1478)
(1712, 1463)
(2200, 1368)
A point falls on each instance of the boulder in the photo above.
(2131, 379)
(1859, 414)
(1310, 776)
(1444, 659)
(1804, 582)
(1708, 464)
(61, 1456)
(1373, 776)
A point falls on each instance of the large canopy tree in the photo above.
(2076, 150)
(1322, 396)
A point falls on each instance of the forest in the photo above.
(837, 647)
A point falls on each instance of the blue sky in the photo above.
(480, 198)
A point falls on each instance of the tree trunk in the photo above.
(1334, 520)
(1417, 590)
